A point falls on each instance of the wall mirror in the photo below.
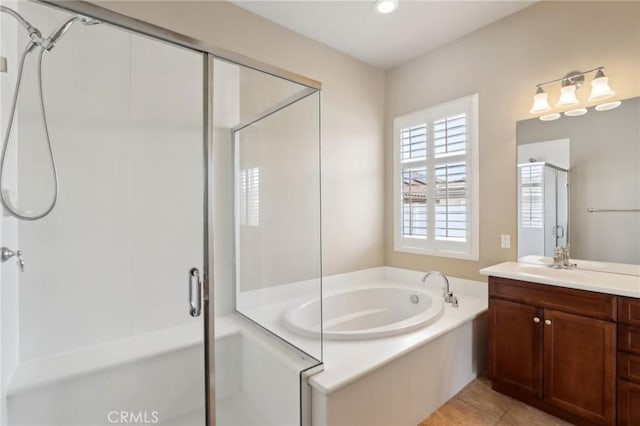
(579, 184)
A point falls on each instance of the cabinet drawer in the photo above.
(628, 403)
(580, 302)
(629, 367)
(629, 310)
(629, 339)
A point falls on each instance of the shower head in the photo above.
(64, 27)
(87, 20)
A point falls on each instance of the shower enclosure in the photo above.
(543, 208)
(187, 219)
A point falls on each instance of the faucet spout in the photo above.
(447, 294)
(561, 258)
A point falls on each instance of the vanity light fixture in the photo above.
(550, 117)
(572, 81)
(386, 6)
(576, 112)
(540, 102)
(607, 106)
(567, 96)
(600, 88)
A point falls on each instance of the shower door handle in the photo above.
(558, 231)
(195, 292)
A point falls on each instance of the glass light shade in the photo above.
(567, 97)
(600, 89)
(540, 103)
(576, 112)
(386, 6)
(608, 106)
(550, 117)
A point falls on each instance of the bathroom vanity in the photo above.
(566, 341)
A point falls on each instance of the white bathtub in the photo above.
(400, 379)
(85, 386)
(368, 313)
(393, 380)
(163, 372)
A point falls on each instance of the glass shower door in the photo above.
(267, 246)
(543, 209)
(104, 325)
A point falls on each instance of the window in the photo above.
(531, 197)
(249, 200)
(436, 180)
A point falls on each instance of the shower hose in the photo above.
(4, 195)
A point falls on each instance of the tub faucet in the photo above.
(447, 295)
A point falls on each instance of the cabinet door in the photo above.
(628, 403)
(515, 347)
(580, 366)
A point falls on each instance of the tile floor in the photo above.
(478, 405)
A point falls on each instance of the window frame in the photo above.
(427, 116)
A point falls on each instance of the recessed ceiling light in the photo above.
(386, 6)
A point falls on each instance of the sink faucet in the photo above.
(446, 294)
(561, 258)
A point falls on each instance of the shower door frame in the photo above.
(209, 53)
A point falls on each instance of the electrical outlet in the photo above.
(505, 241)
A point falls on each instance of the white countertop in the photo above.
(600, 282)
(588, 265)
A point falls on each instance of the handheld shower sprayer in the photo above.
(45, 45)
(57, 34)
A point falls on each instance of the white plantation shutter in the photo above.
(414, 209)
(249, 197)
(531, 195)
(435, 180)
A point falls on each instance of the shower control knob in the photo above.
(6, 254)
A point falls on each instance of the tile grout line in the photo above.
(503, 414)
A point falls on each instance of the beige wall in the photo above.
(352, 116)
(503, 62)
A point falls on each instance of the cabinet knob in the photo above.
(548, 322)
(536, 320)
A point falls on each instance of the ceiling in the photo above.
(384, 41)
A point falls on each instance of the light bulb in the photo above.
(386, 6)
(567, 97)
(550, 117)
(576, 112)
(600, 88)
(608, 106)
(540, 102)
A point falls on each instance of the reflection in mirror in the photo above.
(542, 206)
(579, 183)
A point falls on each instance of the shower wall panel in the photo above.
(126, 126)
(9, 276)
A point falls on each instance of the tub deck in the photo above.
(347, 361)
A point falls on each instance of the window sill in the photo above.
(438, 253)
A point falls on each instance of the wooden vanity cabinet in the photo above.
(628, 361)
(628, 403)
(554, 348)
(516, 361)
